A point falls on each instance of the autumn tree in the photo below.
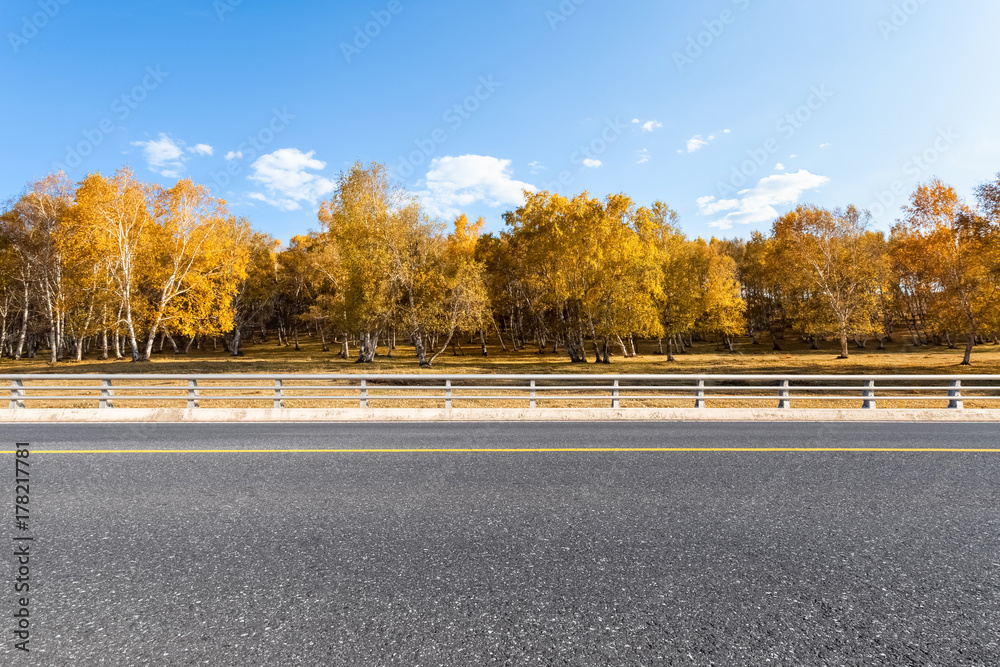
(34, 225)
(629, 285)
(91, 307)
(298, 288)
(462, 247)
(956, 255)
(679, 295)
(255, 293)
(761, 290)
(121, 208)
(586, 269)
(357, 221)
(462, 300)
(988, 198)
(723, 310)
(196, 258)
(832, 258)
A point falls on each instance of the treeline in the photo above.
(118, 268)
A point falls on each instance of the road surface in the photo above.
(698, 557)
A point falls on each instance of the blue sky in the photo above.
(731, 111)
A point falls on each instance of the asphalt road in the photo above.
(503, 558)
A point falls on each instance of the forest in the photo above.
(116, 268)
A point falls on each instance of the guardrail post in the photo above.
(784, 403)
(279, 394)
(531, 403)
(699, 400)
(107, 393)
(614, 396)
(364, 393)
(192, 394)
(955, 394)
(869, 395)
(16, 393)
(447, 394)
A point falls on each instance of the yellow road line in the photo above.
(539, 450)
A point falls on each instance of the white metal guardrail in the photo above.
(532, 391)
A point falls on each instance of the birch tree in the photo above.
(959, 257)
(357, 221)
(833, 258)
(121, 207)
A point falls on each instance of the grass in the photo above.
(704, 358)
(796, 358)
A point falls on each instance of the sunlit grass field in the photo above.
(705, 357)
(796, 357)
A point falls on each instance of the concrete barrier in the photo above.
(260, 415)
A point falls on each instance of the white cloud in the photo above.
(826, 145)
(591, 163)
(285, 175)
(163, 155)
(696, 143)
(756, 205)
(201, 149)
(537, 167)
(234, 155)
(779, 167)
(166, 155)
(649, 125)
(710, 206)
(642, 157)
(277, 202)
(456, 182)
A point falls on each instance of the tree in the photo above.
(464, 300)
(722, 305)
(761, 290)
(959, 257)
(678, 298)
(585, 268)
(121, 208)
(358, 223)
(35, 224)
(198, 255)
(628, 287)
(255, 293)
(988, 197)
(298, 286)
(88, 283)
(832, 258)
(550, 240)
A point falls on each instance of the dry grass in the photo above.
(270, 359)
(900, 358)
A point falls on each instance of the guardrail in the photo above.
(532, 391)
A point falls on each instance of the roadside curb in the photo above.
(210, 415)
